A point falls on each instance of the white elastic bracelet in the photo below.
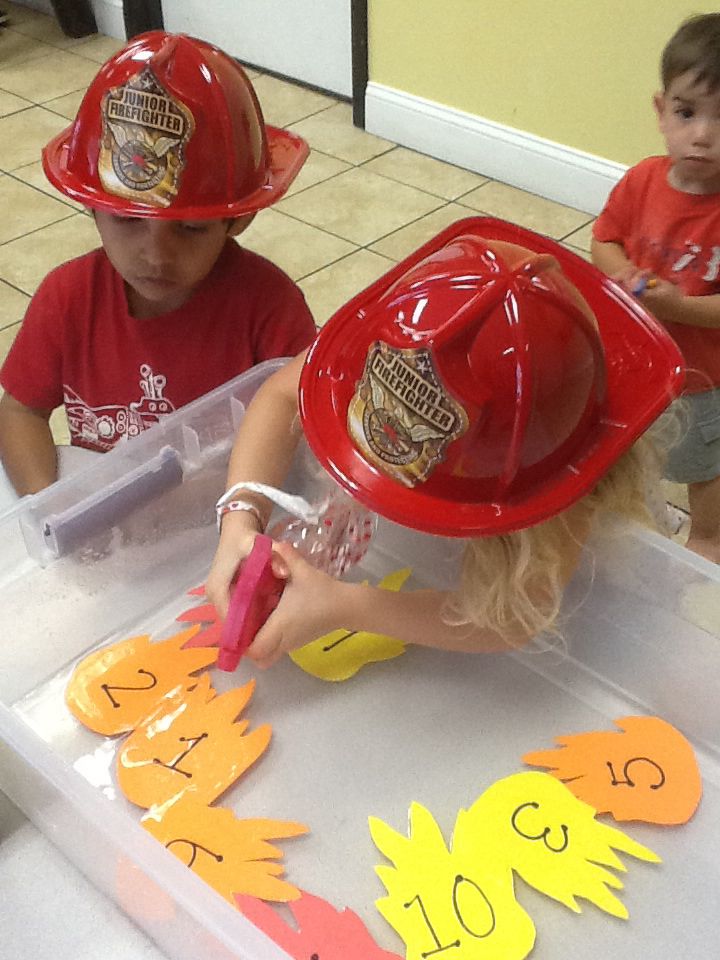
(233, 506)
(297, 506)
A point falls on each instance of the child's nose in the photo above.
(702, 130)
(159, 243)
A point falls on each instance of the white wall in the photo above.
(308, 40)
(109, 17)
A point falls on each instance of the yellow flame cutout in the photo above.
(113, 689)
(190, 744)
(534, 824)
(339, 655)
(440, 899)
(231, 855)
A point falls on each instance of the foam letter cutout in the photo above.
(229, 854)
(438, 899)
(204, 613)
(113, 689)
(647, 772)
(323, 931)
(190, 744)
(340, 654)
(534, 824)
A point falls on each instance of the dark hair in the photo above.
(695, 46)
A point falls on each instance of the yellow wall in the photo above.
(578, 72)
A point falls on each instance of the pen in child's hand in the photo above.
(643, 284)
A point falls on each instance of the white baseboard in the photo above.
(109, 18)
(503, 153)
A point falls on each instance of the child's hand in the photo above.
(662, 299)
(310, 607)
(236, 541)
(632, 278)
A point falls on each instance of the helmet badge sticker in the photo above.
(401, 416)
(145, 131)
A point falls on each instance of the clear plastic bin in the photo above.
(643, 619)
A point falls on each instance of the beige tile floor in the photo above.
(359, 205)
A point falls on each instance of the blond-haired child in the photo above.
(490, 389)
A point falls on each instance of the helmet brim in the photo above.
(644, 369)
(287, 153)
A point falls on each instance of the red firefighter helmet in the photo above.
(171, 127)
(485, 383)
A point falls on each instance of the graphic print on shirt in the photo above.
(102, 427)
(681, 262)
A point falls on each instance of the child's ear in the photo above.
(659, 104)
(239, 224)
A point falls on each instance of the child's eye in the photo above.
(192, 227)
(685, 112)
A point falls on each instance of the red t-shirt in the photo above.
(676, 235)
(116, 375)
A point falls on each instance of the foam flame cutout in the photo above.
(113, 689)
(229, 854)
(190, 744)
(646, 772)
(440, 899)
(340, 654)
(534, 824)
(206, 615)
(323, 932)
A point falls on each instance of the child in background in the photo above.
(170, 152)
(659, 237)
(490, 389)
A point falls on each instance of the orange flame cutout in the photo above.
(204, 613)
(647, 772)
(113, 689)
(229, 854)
(190, 744)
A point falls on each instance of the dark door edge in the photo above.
(359, 46)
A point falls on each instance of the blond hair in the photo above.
(513, 583)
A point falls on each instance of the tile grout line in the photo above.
(31, 233)
(59, 199)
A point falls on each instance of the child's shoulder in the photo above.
(651, 168)
(247, 273)
(236, 259)
(70, 272)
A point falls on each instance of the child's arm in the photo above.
(262, 452)
(669, 304)
(611, 258)
(314, 604)
(27, 447)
